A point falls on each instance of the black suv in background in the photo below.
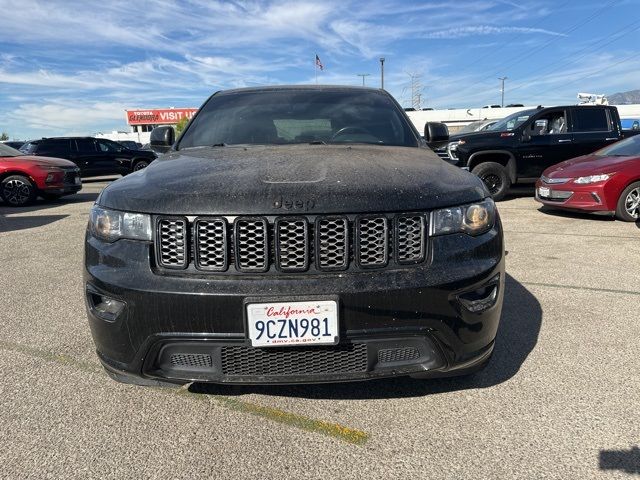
(521, 146)
(94, 156)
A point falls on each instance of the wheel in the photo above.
(17, 190)
(628, 209)
(51, 196)
(140, 164)
(494, 177)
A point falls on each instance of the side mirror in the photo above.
(162, 138)
(436, 134)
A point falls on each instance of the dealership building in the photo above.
(142, 121)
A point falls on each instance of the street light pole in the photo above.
(363, 75)
(382, 73)
(502, 79)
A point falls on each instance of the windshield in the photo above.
(472, 127)
(512, 121)
(629, 147)
(283, 117)
(7, 151)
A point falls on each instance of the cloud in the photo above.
(460, 32)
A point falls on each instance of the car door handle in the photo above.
(611, 138)
(567, 140)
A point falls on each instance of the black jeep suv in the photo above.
(294, 234)
(521, 146)
(94, 156)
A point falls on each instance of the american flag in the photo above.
(319, 63)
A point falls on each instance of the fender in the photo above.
(510, 164)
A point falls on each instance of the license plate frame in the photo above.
(286, 318)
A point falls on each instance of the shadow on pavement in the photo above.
(517, 337)
(575, 214)
(12, 218)
(519, 191)
(627, 461)
(11, 224)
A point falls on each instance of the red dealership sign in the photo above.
(159, 116)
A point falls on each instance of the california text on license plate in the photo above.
(293, 323)
(544, 192)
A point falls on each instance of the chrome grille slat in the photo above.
(251, 244)
(373, 241)
(332, 243)
(410, 237)
(210, 239)
(172, 248)
(290, 244)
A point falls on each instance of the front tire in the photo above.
(140, 164)
(628, 208)
(17, 191)
(495, 178)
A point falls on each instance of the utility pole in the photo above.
(502, 79)
(363, 75)
(416, 90)
(382, 73)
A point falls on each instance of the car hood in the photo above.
(274, 180)
(591, 165)
(54, 162)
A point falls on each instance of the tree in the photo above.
(4, 136)
(180, 126)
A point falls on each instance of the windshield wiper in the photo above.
(219, 145)
(317, 142)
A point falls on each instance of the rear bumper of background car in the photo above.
(571, 196)
(391, 322)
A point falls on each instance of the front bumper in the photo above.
(391, 322)
(571, 196)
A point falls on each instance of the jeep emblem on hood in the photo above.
(294, 203)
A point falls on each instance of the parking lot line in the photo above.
(578, 287)
(331, 429)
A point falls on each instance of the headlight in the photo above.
(112, 225)
(471, 219)
(593, 178)
(452, 149)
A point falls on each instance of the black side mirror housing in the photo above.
(436, 134)
(162, 138)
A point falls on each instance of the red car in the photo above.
(607, 181)
(24, 177)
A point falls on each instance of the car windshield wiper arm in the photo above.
(219, 145)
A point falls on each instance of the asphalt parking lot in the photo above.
(559, 400)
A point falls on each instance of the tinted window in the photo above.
(627, 147)
(513, 121)
(299, 116)
(107, 146)
(29, 148)
(590, 120)
(86, 145)
(53, 147)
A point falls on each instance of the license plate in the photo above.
(293, 323)
(544, 192)
(78, 181)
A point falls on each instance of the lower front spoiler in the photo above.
(183, 360)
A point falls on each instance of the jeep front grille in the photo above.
(290, 244)
(172, 242)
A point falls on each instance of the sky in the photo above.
(72, 68)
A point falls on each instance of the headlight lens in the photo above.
(593, 178)
(473, 219)
(112, 225)
(452, 149)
